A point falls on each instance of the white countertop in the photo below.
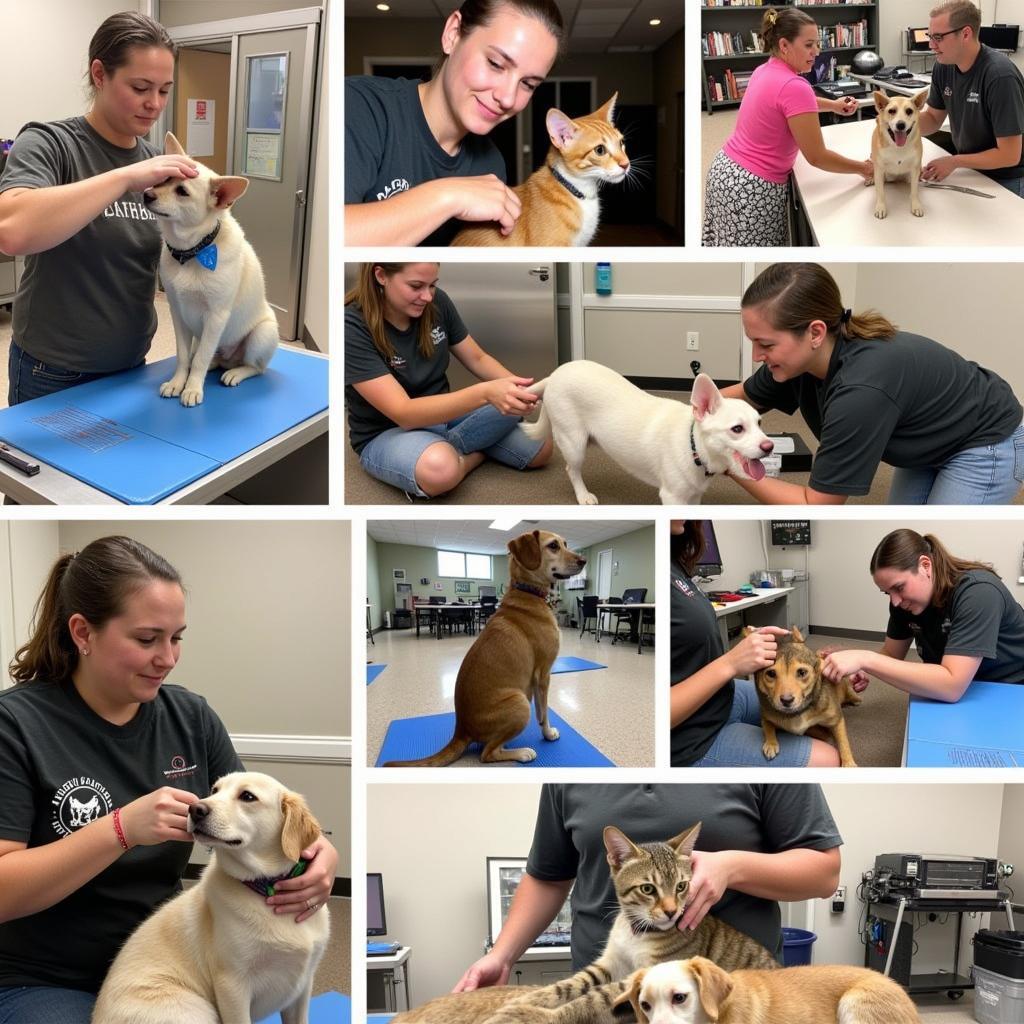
(841, 209)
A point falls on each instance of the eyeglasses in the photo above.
(937, 37)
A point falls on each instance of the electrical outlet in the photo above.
(693, 341)
(839, 900)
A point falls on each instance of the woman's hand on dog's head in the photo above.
(757, 650)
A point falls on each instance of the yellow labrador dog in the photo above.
(511, 660)
(697, 991)
(217, 954)
(896, 149)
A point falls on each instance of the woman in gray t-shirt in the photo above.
(71, 203)
(965, 622)
(871, 393)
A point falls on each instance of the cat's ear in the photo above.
(713, 985)
(686, 841)
(607, 112)
(705, 397)
(526, 550)
(561, 129)
(619, 846)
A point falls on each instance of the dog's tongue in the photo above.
(900, 138)
(754, 468)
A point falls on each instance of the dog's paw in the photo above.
(551, 734)
(917, 209)
(233, 377)
(589, 499)
(191, 396)
(526, 754)
(172, 388)
(770, 750)
(881, 212)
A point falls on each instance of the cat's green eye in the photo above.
(647, 889)
(682, 887)
(600, 150)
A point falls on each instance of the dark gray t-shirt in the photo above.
(696, 643)
(417, 375)
(904, 400)
(980, 619)
(61, 767)
(86, 304)
(389, 147)
(567, 843)
(985, 103)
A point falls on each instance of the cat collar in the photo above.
(693, 450)
(565, 183)
(184, 255)
(530, 589)
(265, 886)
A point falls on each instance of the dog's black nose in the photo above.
(901, 126)
(199, 811)
(786, 701)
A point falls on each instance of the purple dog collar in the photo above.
(530, 589)
(265, 886)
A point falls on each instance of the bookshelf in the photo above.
(725, 27)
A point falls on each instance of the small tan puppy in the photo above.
(697, 991)
(217, 954)
(510, 661)
(797, 698)
(214, 282)
(896, 149)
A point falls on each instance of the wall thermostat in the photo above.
(791, 532)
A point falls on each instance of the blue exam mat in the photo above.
(118, 435)
(379, 1018)
(411, 738)
(982, 730)
(326, 1008)
(571, 664)
(372, 671)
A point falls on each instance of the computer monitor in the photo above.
(820, 72)
(710, 562)
(1000, 37)
(376, 923)
(917, 40)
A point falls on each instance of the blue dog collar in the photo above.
(204, 251)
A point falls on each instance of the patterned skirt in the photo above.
(742, 209)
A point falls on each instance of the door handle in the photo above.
(542, 272)
(300, 198)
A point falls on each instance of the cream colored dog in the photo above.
(214, 282)
(697, 991)
(217, 954)
(896, 149)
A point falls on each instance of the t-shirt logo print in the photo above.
(397, 185)
(438, 335)
(77, 802)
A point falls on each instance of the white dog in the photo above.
(217, 954)
(214, 282)
(675, 447)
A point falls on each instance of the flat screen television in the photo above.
(709, 564)
(918, 41)
(376, 923)
(1000, 37)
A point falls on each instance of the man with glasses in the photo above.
(982, 91)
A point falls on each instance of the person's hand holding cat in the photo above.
(509, 395)
(483, 198)
(489, 970)
(709, 882)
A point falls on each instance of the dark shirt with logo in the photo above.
(63, 766)
(389, 147)
(419, 376)
(696, 642)
(979, 619)
(985, 103)
(905, 400)
(86, 304)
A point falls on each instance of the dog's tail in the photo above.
(455, 748)
(541, 430)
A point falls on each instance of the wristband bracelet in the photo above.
(119, 830)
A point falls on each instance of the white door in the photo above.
(604, 574)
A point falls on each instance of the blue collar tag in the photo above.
(208, 257)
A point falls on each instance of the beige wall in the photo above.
(194, 12)
(1011, 833)
(629, 278)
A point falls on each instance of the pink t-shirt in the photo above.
(761, 141)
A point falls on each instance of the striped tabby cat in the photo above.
(560, 204)
(651, 881)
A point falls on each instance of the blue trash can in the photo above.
(796, 946)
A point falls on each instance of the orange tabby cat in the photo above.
(560, 204)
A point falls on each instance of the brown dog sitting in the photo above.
(796, 697)
(510, 661)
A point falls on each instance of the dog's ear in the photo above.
(881, 100)
(228, 189)
(619, 846)
(526, 550)
(747, 630)
(172, 145)
(300, 828)
(686, 840)
(713, 985)
(632, 995)
(920, 98)
(797, 636)
(705, 398)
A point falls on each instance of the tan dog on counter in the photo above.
(796, 697)
(896, 149)
(510, 661)
(697, 991)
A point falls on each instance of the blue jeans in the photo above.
(1015, 185)
(989, 475)
(45, 1005)
(739, 741)
(392, 455)
(30, 378)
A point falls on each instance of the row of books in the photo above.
(717, 44)
(781, 3)
(732, 86)
(835, 37)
